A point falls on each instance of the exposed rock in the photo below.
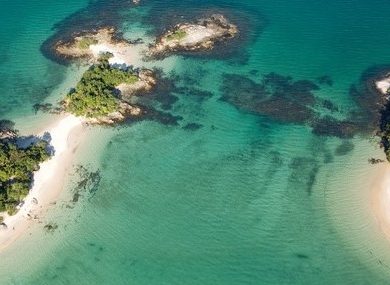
(7, 130)
(125, 110)
(81, 45)
(325, 79)
(378, 88)
(199, 36)
(7, 134)
(383, 85)
(275, 96)
(145, 83)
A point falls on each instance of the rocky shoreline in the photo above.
(121, 55)
(193, 37)
(81, 45)
(98, 83)
(198, 36)
(382, 85)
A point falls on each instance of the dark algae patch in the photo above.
(88, 180)
(329, 126)
(329, 105)
(276, 96)
(375, 106)
(285, 100)
(192, 127)
(86, 184)
(345, 148)
(325, 80)
(304, 172)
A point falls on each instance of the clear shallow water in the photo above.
(242, 200)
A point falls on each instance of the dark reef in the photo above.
(98, 14)
(303, 173)
(344, 148)
(276, 96)
(192, 127)
(284, 100)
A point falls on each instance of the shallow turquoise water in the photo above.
(245, 199)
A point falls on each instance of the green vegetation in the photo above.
(94, 95)
(177, 35)
(16, 168)
(84, 43)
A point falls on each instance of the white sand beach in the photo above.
(122, 54)
(381, 199)
(66, 135)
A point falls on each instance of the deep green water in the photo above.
(244, 198)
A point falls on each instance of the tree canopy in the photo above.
(16, 171)
(94, 95)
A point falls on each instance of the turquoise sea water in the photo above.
(238, 198)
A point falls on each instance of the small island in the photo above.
(99, 95)
(19, 159)
(88, 46)
(79, 46)
(200, 36)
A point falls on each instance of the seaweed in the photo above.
(304, 172)
(87, 183)
(329, 105)
(329, 126)
(345, 148)
(325, 80)
(276, 96)
(192, 127)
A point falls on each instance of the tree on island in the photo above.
(95, 95)
(17, 165)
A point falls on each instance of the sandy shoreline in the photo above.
(381, 199)
(121, 54)
(66, 135)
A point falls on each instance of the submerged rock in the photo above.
(275, 96)
(51, 227)
(382, 85)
